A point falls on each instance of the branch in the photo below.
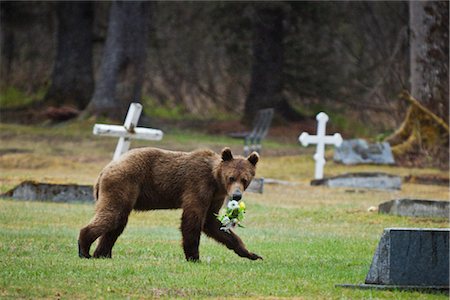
(407, 96)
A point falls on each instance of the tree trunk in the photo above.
(122, 67)
(72, 78)
(423, 137)
(266, 85)
(429, 46)
(7, 40)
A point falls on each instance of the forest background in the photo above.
(225, 60)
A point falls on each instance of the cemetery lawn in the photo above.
(311, 238)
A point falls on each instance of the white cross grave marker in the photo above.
(128, 130)
(320, 139)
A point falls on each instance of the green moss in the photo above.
(178, 112)
(154, 109)
(13, 97)
(341, 119)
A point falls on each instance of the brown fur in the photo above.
(150, 178)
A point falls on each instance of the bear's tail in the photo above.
(97, 187)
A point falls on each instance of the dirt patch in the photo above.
(428, 179)
(31, 161)
(287, 132)
(14, 151)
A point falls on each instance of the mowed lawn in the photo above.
(311, 238)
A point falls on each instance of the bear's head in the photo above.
(236, 173)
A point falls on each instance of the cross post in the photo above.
(131, 120)
(321, 139)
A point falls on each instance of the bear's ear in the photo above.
(253, 158)
(226, 154)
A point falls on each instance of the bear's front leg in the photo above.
(191, 228)
(229, 239)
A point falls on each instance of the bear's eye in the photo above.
(232, 179)
(244, 182)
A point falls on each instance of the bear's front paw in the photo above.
(254, 256)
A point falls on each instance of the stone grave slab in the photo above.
(410, 258)
(358, 151)
(380, 181)
(416, 208)
(36, 191)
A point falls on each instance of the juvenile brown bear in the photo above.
(150, 178)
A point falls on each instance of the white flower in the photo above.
(225, 220)
(233, 204)
(227, 227)
(234, 221)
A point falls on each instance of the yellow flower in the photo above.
(242, 205)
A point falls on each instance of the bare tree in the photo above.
(429, 54)
(266, 85)
(122, 67)
(423, 137)
(72, 80)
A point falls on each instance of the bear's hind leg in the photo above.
(107, 240)
(101, 224)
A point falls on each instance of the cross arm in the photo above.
(335, 139)
(121, 131)
(306, 139)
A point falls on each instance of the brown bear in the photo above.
(150, 178)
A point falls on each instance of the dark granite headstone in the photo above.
(381, 181)
(36, 191)
(415, 208)
(358, 151)
(411, 256)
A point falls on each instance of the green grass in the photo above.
(311, 238)
(306, 252)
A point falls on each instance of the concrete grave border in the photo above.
(362, 180)
(40, 191)
(416, 208)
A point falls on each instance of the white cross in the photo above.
(320, 139)
(128, 131)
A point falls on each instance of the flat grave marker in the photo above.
(362, 180)
(358, 151)
(416, 208)
(38, 191)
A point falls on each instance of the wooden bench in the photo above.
(253, 139)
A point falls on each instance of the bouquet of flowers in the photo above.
(232, 215)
